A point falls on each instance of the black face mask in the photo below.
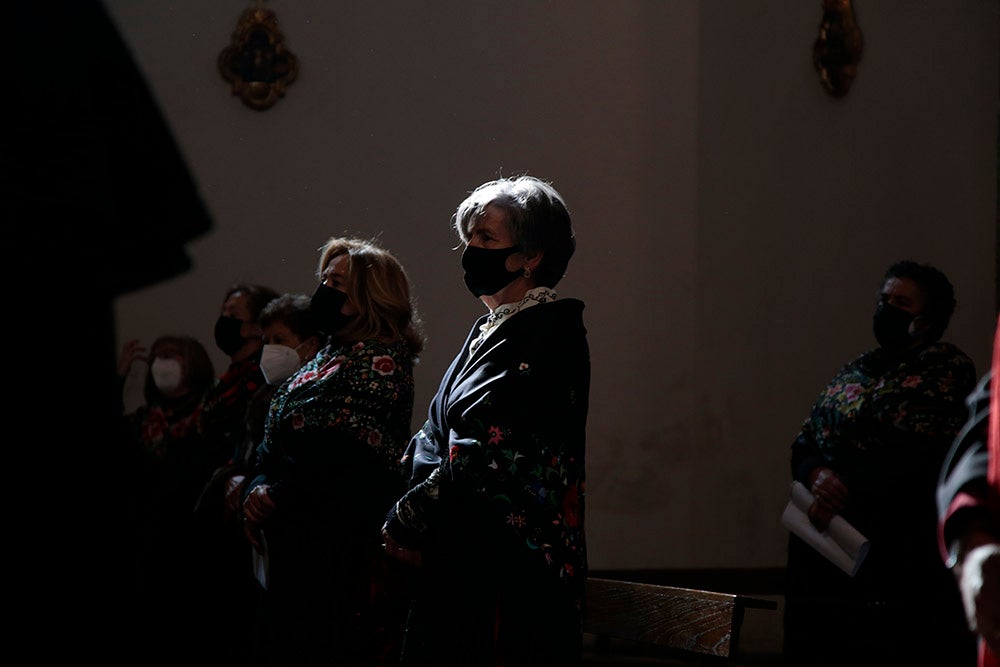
(227, 334)
(486, 270)
(325, 306)
(892, 327)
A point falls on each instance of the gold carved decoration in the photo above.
(837, 50)
(256, 62)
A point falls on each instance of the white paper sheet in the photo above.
(840, 543)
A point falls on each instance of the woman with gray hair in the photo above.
(494, 518)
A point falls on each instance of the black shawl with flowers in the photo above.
(498, 473)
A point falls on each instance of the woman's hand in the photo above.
(233, 491)
(819, 516)
(256, 509)
(397, 551)
(131, 351)
(978, 575)
(830, 494)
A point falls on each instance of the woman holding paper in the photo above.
(869, 453)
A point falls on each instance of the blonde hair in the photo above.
(377, 285)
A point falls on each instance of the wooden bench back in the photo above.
(690, 621)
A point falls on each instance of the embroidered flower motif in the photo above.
(523, 367)
(384, 365)
(496, 435)
(571, 507)
(912, 381)
(516, 520)
(331, 366)
(512, 456)
(537, 488)
(374, 438)
(452, 452)
(852, 391)
(302, 378)
(154, 427)
(298, 421)
(360, 345)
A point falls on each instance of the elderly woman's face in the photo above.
(237, 305)
(490, 230)
(904, 294)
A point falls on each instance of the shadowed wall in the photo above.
(733, 219)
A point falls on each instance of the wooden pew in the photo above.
(697, 625)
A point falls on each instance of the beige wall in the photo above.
(732, 219)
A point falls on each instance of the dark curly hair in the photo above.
(257, 296)
(294, 310)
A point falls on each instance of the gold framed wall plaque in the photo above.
(837, 49)
(257, 63)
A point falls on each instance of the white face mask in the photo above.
(166, 374)
(279, 362)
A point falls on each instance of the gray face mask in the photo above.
(279, 362)
(167, 374)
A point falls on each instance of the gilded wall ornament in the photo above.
(256, 62)
(837, 50)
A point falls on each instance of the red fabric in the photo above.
(991, 499)
(986, 657)
(993, 433)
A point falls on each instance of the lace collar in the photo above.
(505, 311)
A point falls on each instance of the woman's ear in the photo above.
(531, 262)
